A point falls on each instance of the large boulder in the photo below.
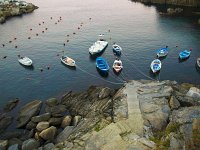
(27, 112)
(66, 121)
(13, 147)
(5, 121)
(49, 133)
(51, 102)
(43, 117)
(174, 103)
(56, 111)
(30, 144)
(42, 125)
(11, 105)
(194, 93)
(55, 121)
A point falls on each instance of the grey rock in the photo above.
(76, 120)
(30, 144)
(11, 105)
(42, 125)
(64, 134)
(186, 101)
(105, 92)
(194, 93)
(48, 146)
(55, 121)
(31, 125)
(56, 111)
(27, 112)
(66, 121)
(3, 144)
(185, 114)
(174, 103)
(51, 102)
(5, 121)
(49, 133)
(175, 142)
(13, 147)
(43, 117)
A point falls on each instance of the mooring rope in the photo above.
(99, 77)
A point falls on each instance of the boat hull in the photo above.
(156, 66)
(102, 65)
(73, 64)
(98, 47)
(184, 54)
(25, 61)
(163, 52)
(117, 49)
(198, 62)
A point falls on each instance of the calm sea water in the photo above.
(138, 29)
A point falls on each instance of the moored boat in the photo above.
(25, 61)
(117, 49)
(162, 52)
(68, 61)
(198, 62)
(156, 65)
(98, 46)
(185, 54)
(117, 65)
(102, 64)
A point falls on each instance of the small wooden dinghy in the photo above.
(117, 65)
(162, 52)
(25, 61)
(68, 61)
(198, 62)
(102, 65)
(184, 54)
(156, 65)
(117, 49)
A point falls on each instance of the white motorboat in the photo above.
(25, 61)
(98, 46)
(68, 61)
(117, 65)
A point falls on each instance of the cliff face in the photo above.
(192, 3)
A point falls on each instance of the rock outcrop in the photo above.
(140, 115)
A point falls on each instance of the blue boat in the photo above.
(102, 65)
(162, 52)
(184, 54)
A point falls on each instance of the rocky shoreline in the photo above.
(175, 8)
(14, 8)
(140, 115)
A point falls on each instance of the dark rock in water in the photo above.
(3, 144)
(49, 133)
(11, 105)
(5, 121)
(30, 144)
(55, 121)
(56, 111)
(51, 102)
(31, 125)
(27, 112)
(43, 117)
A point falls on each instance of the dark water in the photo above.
(138, 29)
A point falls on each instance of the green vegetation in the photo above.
(162, 139)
